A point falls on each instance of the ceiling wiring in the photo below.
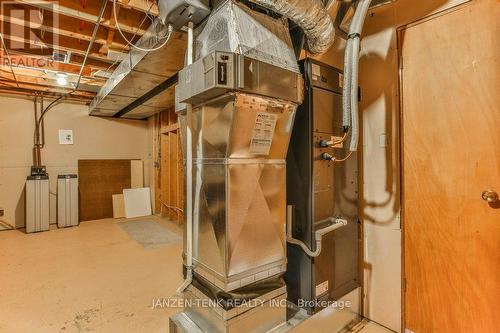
(9, 59)
(117, 24)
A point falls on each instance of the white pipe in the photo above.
(354, 96)
(351, 69)
(189, 176)
(318, 235)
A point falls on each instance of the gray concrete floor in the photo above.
(94, 278)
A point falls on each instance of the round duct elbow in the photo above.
(311, 16)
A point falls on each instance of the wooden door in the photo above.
(450, 85)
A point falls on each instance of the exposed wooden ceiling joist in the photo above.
(48, 40)
(129, 19)
(146, 6)
(43, 63)
(7, 83)
(75, 59)
(39, 77)
(66, 26)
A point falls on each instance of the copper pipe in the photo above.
(341, 140)
(344, 159)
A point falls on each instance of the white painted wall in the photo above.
(94, 138)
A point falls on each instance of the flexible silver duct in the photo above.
(351, 66)
(311, 16)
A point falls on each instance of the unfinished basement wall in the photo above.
(380, 191)
(94, 138)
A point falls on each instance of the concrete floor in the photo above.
(93, 278)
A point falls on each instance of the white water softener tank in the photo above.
(67, 201)
(37, 203)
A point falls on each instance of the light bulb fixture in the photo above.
(62, 79)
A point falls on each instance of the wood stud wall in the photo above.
(169, 194)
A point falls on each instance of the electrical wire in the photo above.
(8, 58)
(172, 207)
(84, 62)
(117, 25)
(135, 34)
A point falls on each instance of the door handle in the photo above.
(490, 196)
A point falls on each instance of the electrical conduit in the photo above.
(351, 72)
(189, 176)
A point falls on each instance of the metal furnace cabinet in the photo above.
(318, 189)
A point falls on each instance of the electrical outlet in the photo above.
(65, 137)
(383, 141)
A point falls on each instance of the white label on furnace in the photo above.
(316, 72)
(263, 132)
(321, 288)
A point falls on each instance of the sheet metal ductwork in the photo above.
(233, 27)
(311, 16)
(136, 75)
(241, 94)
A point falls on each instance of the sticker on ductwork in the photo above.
(316, 72)
(263, 132)
(321, 288)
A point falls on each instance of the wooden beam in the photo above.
(25, 86)
(66, 26)
(169, 128)
(43, 63)
(38, 77)
(111, 31)
(48, 40)
(75, 59)
(95, 64)
(129, 18)
(146, 6)
(48, 95)
(50, 74)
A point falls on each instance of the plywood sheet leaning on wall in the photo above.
(136, 174)
(118, 206)
(98, 181)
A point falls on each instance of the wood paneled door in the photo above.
(450, 105)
